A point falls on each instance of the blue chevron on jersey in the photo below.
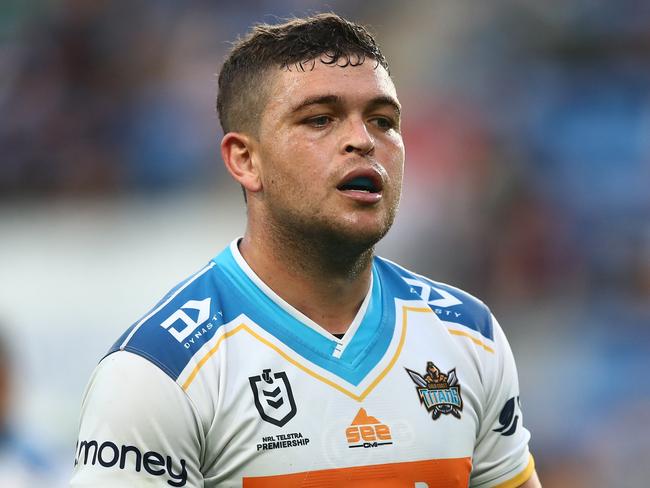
(449, 303)
(191, 314)
(172, 333)
(251, 297)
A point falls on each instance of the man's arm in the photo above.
(501, 455)
(533, 482)
(137, 428)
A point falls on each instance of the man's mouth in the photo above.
(360, 183)
(367, 180)
(363, 185)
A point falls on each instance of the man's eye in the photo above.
(320, 121)
(383, 123)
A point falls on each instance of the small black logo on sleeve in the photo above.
(273, 397)
(508, 418)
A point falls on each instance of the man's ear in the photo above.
(237, 151)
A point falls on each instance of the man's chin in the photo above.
(354, 236)
(349, 235)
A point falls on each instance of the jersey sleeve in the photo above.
(138, 428)
(501, 457)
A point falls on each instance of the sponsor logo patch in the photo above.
(200, 308)
(438, 392)
(282, 441)
(366, 431)
(110, 455)
(273, 397)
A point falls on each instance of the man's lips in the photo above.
(361, 196)
(362, 179)
(364, 185)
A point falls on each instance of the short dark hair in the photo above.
(294, 44)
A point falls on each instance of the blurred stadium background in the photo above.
(527, 127)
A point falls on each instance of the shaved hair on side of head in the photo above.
(295, 44)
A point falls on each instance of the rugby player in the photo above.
(297, 357)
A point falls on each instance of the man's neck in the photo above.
(328, 287)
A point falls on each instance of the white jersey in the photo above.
(224, 384)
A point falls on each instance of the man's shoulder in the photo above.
(171, 333)
(451, 304)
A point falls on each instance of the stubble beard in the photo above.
(318, 243)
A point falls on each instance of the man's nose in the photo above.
(357, 138)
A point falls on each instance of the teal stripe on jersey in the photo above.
(240, 294)
(189, 316)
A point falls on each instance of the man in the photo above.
(296, 357)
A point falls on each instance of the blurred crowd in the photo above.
(527, 129)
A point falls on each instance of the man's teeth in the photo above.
(359, 184)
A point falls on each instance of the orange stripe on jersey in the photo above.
(205, 358)
(360, 397)
(438, 473)
(473, 339)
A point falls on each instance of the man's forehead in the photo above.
(292, 85)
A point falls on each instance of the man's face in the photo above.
(330, 152)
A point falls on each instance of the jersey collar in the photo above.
(356, 352)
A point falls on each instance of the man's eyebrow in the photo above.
(317, 100)
(386, 100)
(335, 99)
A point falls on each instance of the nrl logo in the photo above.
(273, 397)
(439, 392)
